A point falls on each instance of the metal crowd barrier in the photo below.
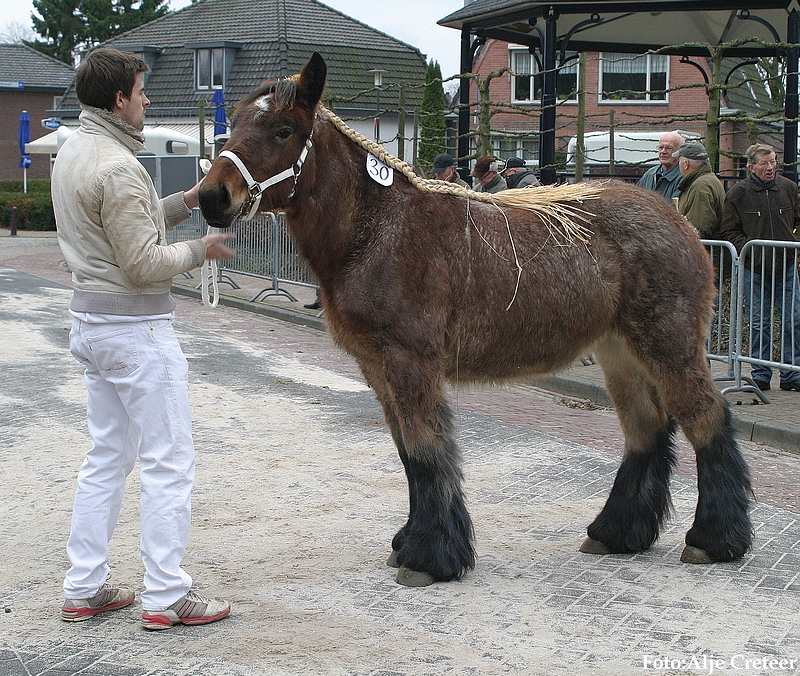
(763, 276)
(264, 250)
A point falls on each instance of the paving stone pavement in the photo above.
(298, 494)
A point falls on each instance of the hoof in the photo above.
(392, 560)
(591, 546)
(695, 555)
(413, 578)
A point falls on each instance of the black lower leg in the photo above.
(639, 500)
(438, 536)
(399, 538)
(438, 539)
(722, 523)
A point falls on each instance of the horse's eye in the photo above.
(286, 132)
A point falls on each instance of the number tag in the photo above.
(378, 171)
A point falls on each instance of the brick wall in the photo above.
(683, 100)
(12, 103)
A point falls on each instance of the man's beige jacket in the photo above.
(111, 223)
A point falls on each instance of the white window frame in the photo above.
(216, 70)
(651, 69)
(532, 67)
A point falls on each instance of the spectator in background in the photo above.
(488, 179)
(444, 169)
(767, 206)
(700, 193)
(517, 175)
(665, 176)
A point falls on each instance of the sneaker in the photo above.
(794, 385)
(762, 385)
(190, 609)
(108, 598)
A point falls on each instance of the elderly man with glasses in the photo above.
(665, 177)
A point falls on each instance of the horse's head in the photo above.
(258, 167)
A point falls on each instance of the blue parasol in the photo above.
(24, 139)
(220, 119)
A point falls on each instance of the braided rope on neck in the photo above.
(557, 205)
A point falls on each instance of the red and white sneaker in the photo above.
(107, 598)
(190, 609)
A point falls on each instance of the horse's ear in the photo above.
(312, 81)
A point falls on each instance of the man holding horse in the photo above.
(111, 229)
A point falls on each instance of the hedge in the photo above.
(34, 208)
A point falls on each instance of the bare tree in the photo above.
(15, 33)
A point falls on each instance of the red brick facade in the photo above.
(686, 97)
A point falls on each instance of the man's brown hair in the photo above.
(756, 150)
(105, 71)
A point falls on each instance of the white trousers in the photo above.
(138, 406)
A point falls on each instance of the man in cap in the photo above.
(517, 175)
(701, 195)
(444, 169)
(488, 179)
(767, 206)
(665, 176)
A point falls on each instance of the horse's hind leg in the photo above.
(639, 500)
(435, 544)
(721, 529)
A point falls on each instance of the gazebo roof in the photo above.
(633, 26)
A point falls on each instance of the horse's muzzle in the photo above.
(215, 203)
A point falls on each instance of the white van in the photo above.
(636, 148)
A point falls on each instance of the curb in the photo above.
(286, 315)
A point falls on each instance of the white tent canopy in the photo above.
(160, 140)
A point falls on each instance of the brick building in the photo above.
(644, 93)
(30, 81)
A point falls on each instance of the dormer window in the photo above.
(212, 63)
(210, 68)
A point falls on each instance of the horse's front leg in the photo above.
(435, 544)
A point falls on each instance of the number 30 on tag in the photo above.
(378, 171)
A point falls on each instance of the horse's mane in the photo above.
(551, 203)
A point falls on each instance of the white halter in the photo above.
(255, 188)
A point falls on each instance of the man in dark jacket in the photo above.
(488, 179)
(701, 194)
(517, 175)
(767, 206)
(444, 169)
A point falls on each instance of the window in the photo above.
(626, 77)
(210, 68)
(505, 145)
(526, 79)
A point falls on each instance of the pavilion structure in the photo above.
(747, 29)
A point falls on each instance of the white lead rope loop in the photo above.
(209, 273)
(209, 270)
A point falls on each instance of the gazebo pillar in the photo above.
(547, 112)
(463, 98)
(791, 105)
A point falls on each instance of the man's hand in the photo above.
(190, 195)
(215, 246)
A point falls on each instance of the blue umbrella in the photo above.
(24, 138)
(220, 119)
